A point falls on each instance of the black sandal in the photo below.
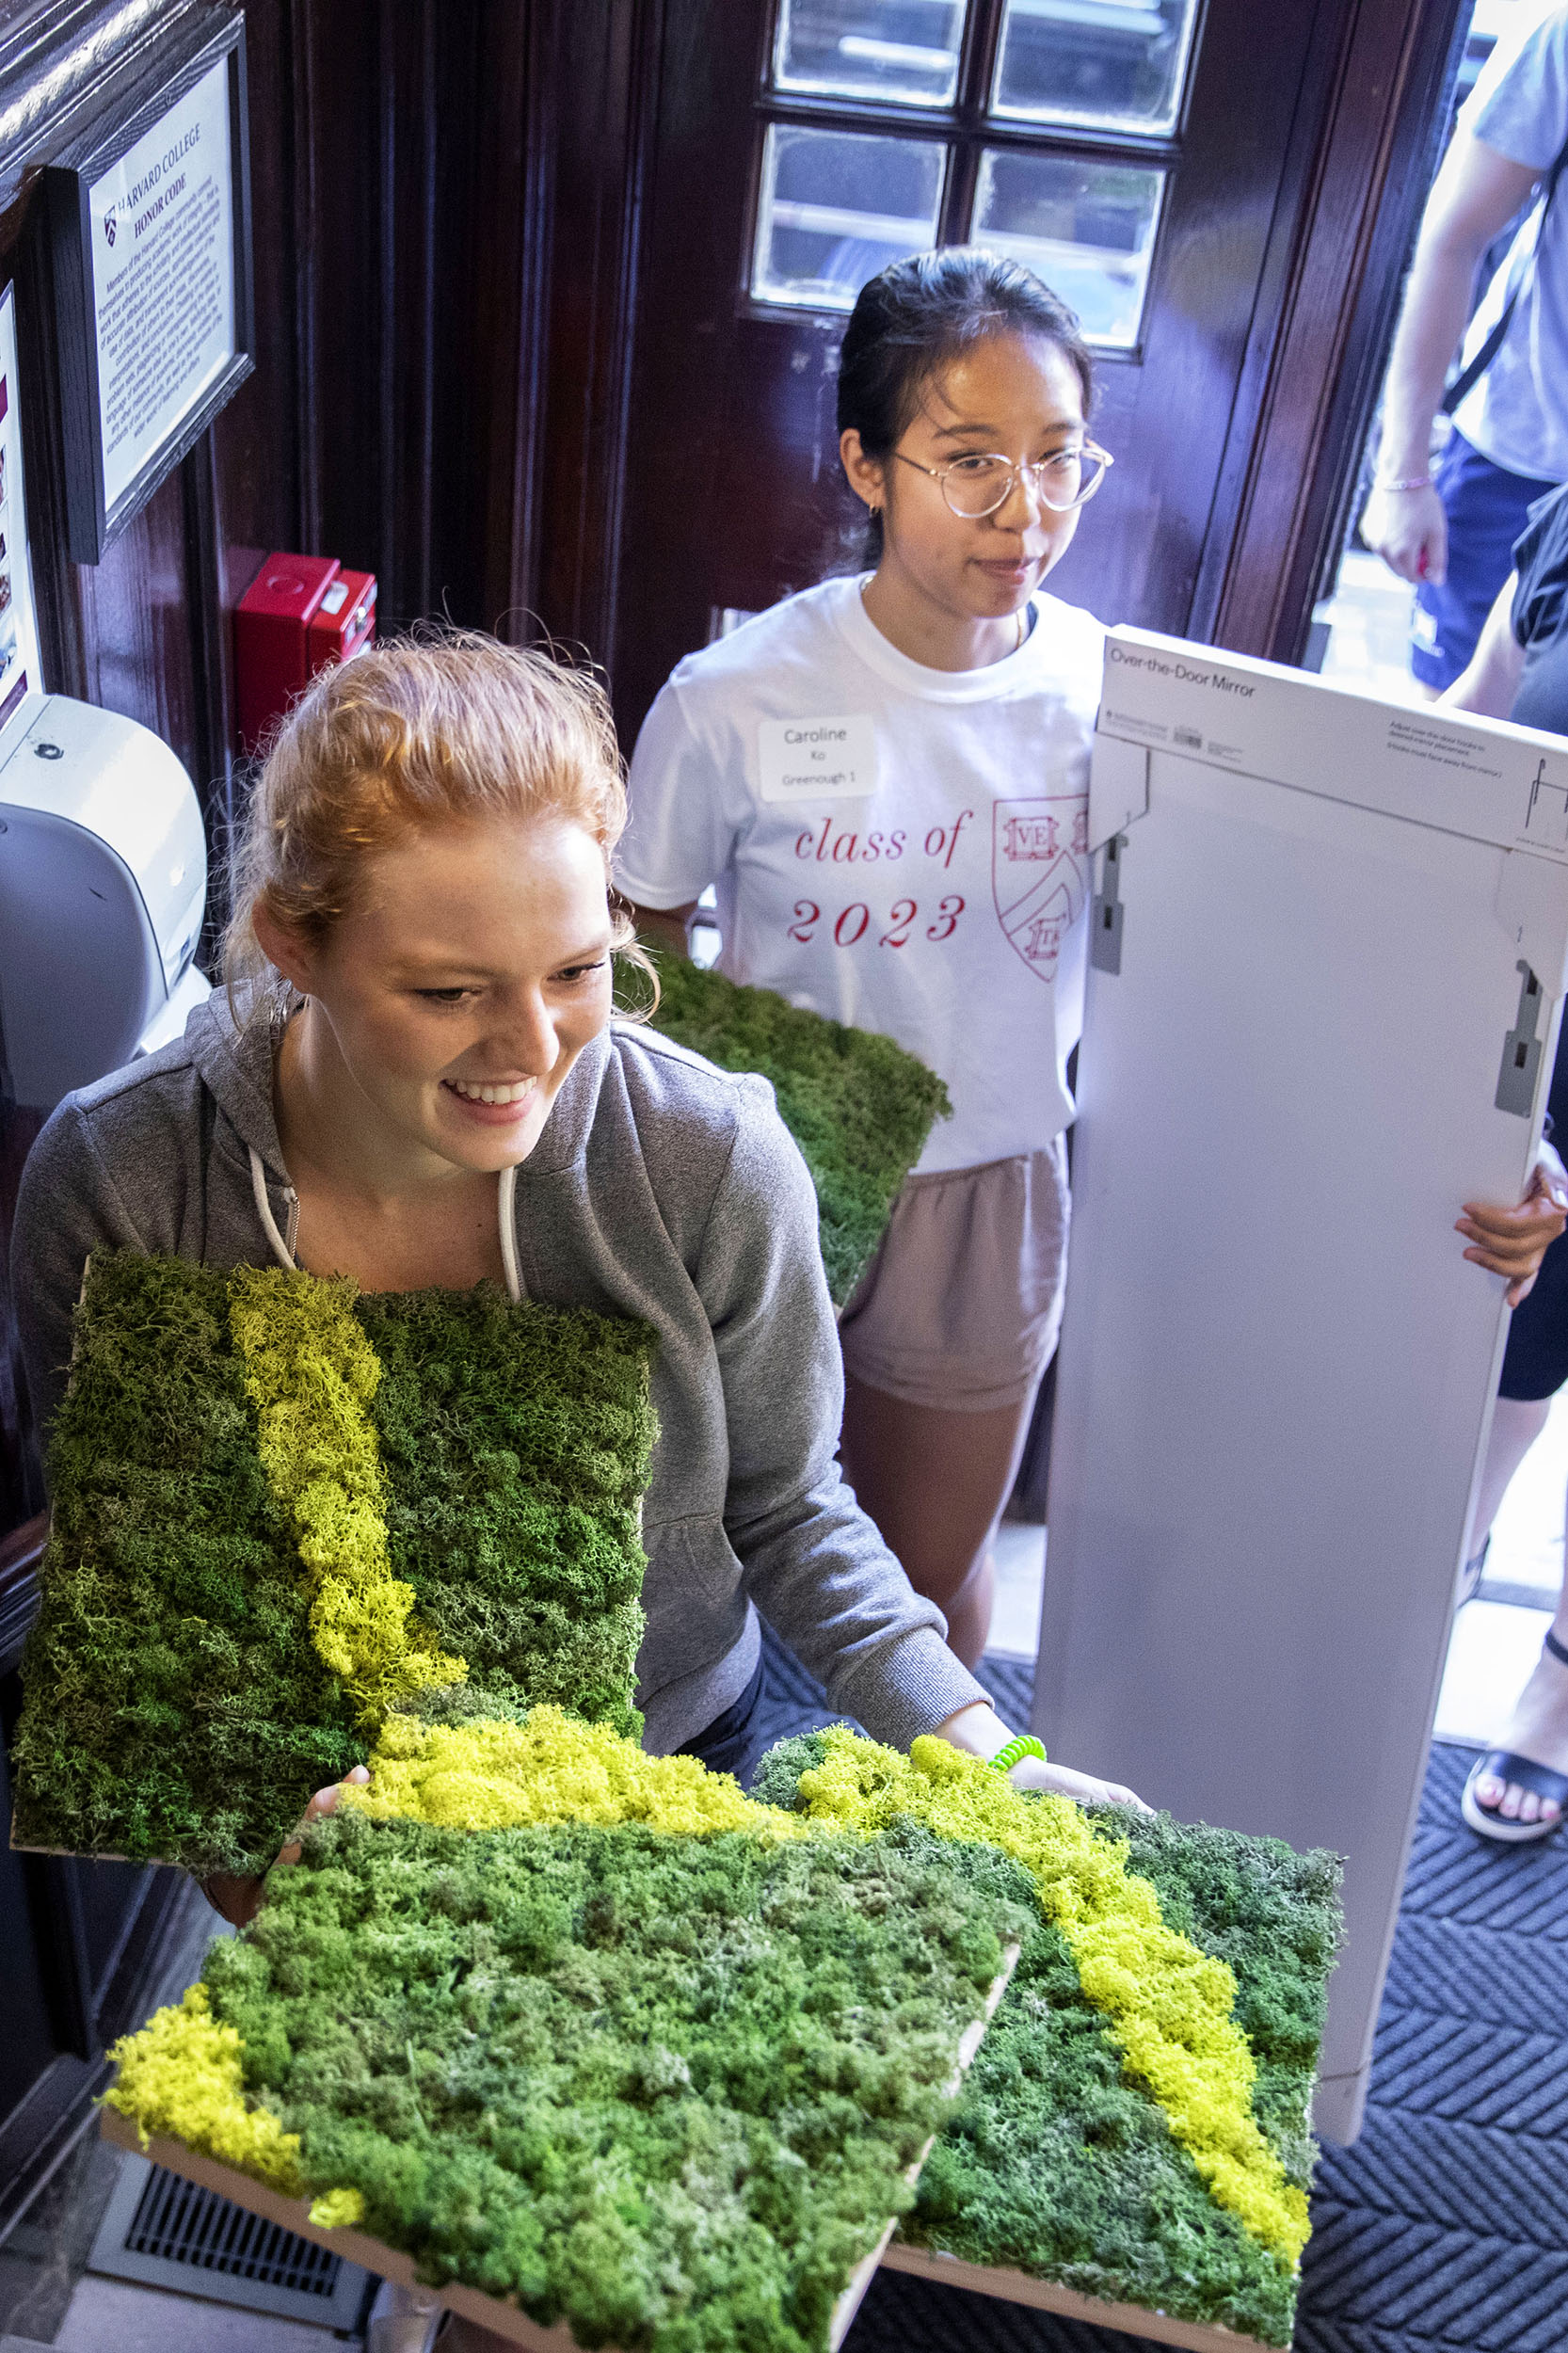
(1525, 1773)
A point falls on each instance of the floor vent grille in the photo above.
(165, 2232)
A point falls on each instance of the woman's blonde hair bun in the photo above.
(434, 729)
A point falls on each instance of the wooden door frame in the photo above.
(589, 105)
(1355, 190)
(1356, 179)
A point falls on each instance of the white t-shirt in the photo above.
(1517, 415)
(900, 848)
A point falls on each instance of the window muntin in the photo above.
(1104, 64)
(837, 206)
(1087, 228)
(899, 52)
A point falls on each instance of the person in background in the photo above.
(886, 780)
(1518, 1790)
(1452, 533)
(933, 886)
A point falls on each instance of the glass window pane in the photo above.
(904, 50)
(1102, 64)
(1087, 228)
(837, 206)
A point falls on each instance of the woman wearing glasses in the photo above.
(886, 780)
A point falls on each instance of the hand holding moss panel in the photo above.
(280, 1508)
(859, 1105)
(597, 2030)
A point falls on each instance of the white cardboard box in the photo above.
(1327, 953)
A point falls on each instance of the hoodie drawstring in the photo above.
(509, 1233)
(283, 1251)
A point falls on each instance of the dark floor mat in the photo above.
(1445, 2229)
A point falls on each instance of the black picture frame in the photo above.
(91, 524)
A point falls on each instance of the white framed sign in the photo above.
(150, 237)
(20, 669)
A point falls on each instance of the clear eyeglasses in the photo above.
(975, 485)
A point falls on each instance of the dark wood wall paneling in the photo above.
(600, 72)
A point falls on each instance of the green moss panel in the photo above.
(859, 1107)
(1056, 2163)
(516, 1445)
(662, 2088)
(176, 1708)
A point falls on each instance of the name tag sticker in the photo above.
(817, 759)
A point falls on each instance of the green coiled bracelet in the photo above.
(1022, 1744)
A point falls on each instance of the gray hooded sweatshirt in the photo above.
(659, 1187)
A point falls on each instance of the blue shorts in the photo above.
(1487, 508)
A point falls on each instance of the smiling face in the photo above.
(1019, 394)
(457, 994)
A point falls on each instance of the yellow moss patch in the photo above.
(311, 1373)
(337, 2209)
(181, 2075)
(1168, 2004)
(551, 1769)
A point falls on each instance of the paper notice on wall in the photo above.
(161, 222)
(20, 669)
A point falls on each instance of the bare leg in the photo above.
(1516, 1424)
(934, 1483)
(1538, 1727)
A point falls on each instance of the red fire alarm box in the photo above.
(344, 621)
(299, 614)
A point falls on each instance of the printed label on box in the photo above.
(1484, 779)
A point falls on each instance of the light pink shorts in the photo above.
(962, 1303)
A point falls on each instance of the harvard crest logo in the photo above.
(1039, 858)
(109, 227)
